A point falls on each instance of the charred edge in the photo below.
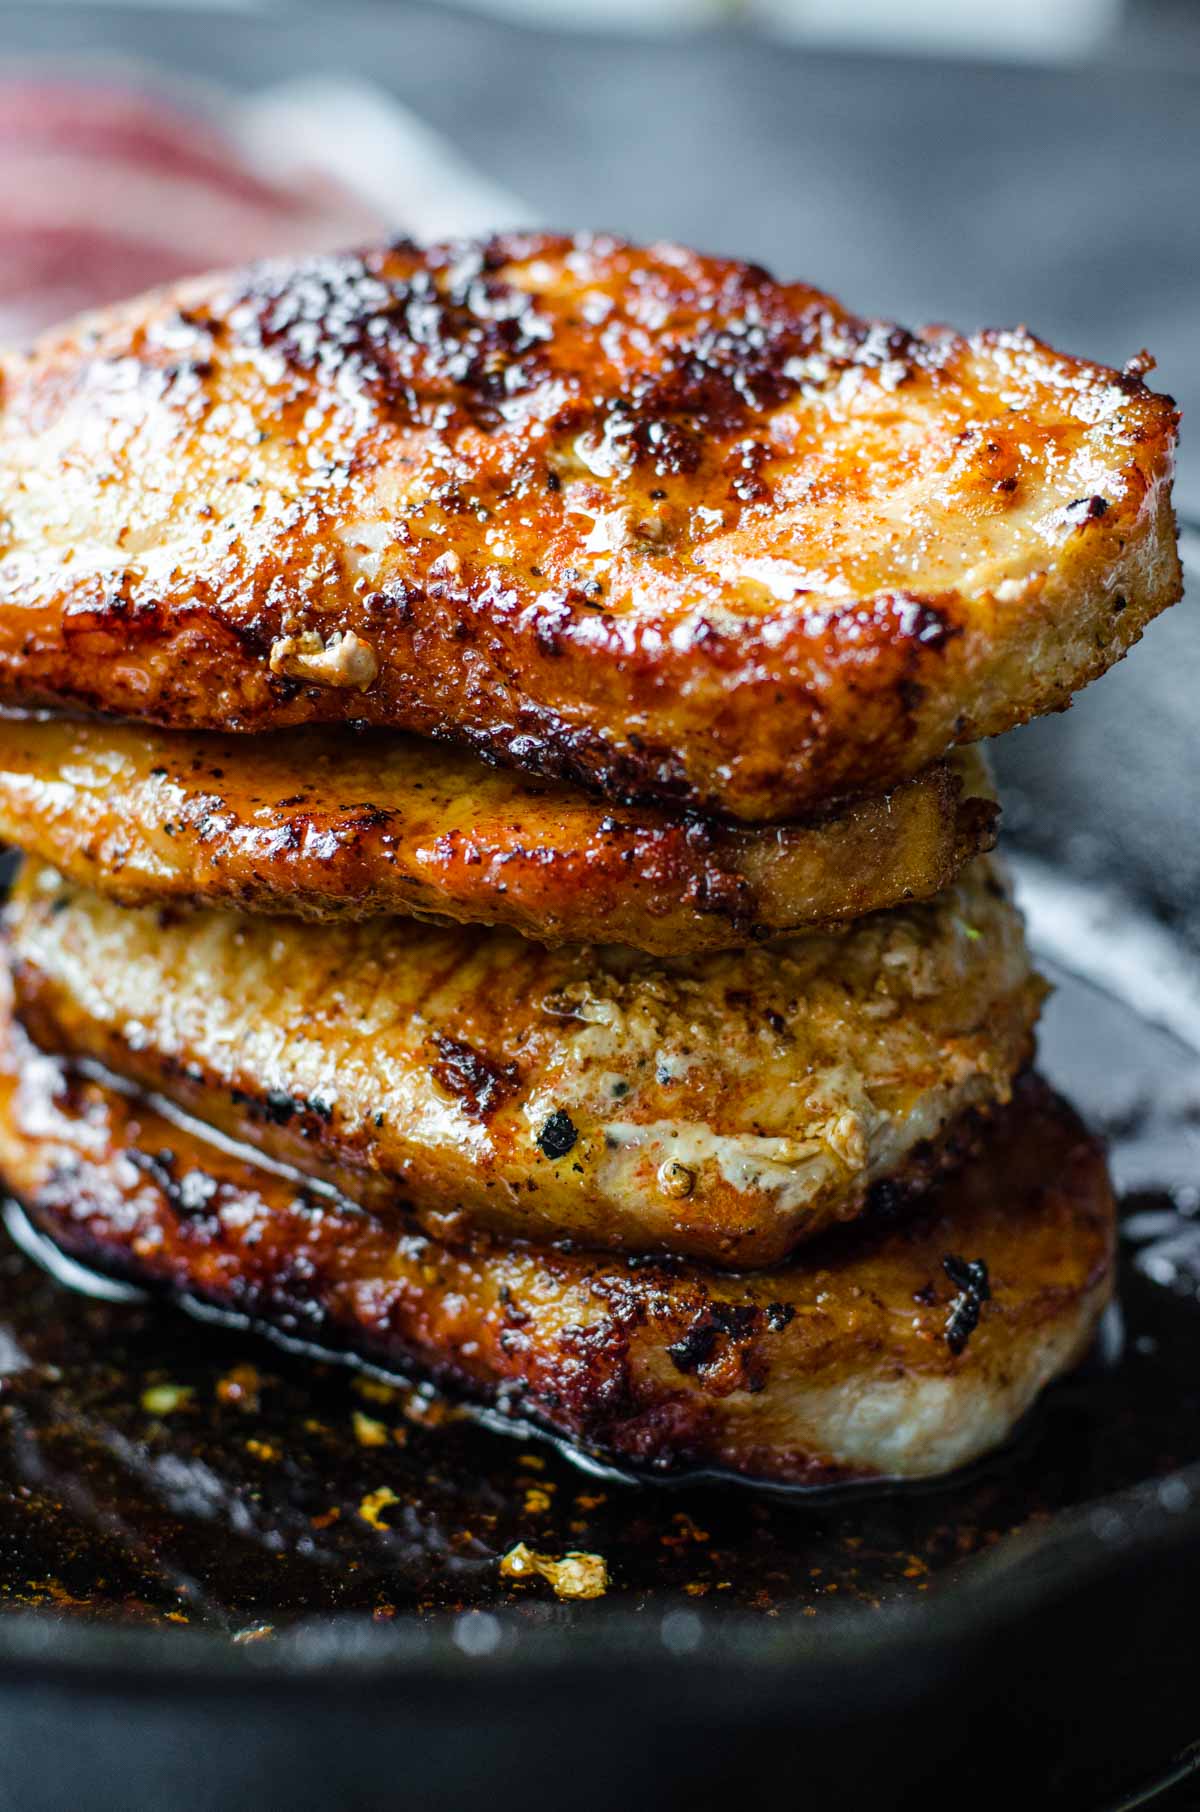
(320, 837)
(276, 1106)
(977, 826)
(278, 1301)
(891, 620)
(189, 1196)
(408, 326)
(558, 1135)
(545, 744)
(970, 1278)
(894, 1198)
(717, 1328)
(478, 1083)
(902, 632)
(1086, 509)
(586, 1393)
(383, 325)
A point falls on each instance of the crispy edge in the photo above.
(661, 1365)
(869, 691)
(304, 827)
(493, 1173)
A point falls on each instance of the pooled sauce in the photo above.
(156, 1469)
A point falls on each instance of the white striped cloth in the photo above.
(108, 187)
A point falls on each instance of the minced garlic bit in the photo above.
(374, 1389)
(368, 1432)
(344, 660)
(165, 1399)
(374, 1502)
(847, 1139)
(574, 1576)
(675, 1179)
(240, 1386)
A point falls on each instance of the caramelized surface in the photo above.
(638, 518)
(322, 824)
(725, 1106)
(851, 1363)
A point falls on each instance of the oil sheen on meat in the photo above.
(902, 1350)
(726, 1106)
(637, 518)
(325, 824)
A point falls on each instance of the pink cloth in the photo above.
(106, 190)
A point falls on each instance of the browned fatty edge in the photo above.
(667, 886)
(306, 1134)
(125, 1212)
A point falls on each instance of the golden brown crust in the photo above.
(724, 1106)
(637, 518)
(323, 825)
(850, 1364)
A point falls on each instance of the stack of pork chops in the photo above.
(507, 887)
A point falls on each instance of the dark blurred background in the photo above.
(962, 160)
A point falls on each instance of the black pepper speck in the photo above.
(559, 1134)
(970, 1276)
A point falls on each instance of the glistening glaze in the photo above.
(324, 825)
(482, 1079)
(109, 1510)
(863, 1359)
(637, 518)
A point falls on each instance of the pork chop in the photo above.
(637, 518)
(724, 1106)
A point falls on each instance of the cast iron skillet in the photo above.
(197, 1614)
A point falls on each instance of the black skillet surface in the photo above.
(196, 1612)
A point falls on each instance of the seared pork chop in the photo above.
(324, 824)
(903, 1350)
(725, 1106)
(637, 518)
